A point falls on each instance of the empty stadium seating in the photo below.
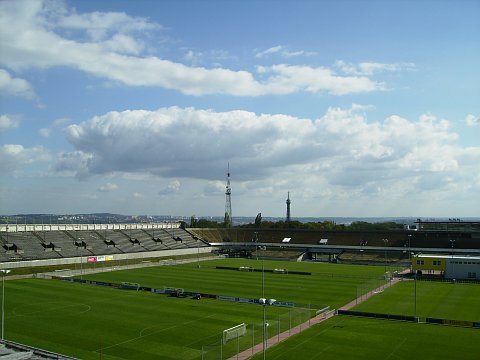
(29, 245)
(396, 238)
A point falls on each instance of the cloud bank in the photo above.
(342, 148)
(35, 34)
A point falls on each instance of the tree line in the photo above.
(259, 223)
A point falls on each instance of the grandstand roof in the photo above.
(456, 257)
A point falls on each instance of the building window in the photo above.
(472, 275)
(437, 262)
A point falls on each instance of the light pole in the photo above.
(4, 272)
(415, 300)
(452, 242)
(198, 252)
(385, 241)
(264, 302)
(409, 236)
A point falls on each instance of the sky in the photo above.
(357, 108)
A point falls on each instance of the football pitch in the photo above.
(92, 322)
(346, 338)
(454, 301)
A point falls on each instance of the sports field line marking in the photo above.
(319, 354)
(399, 345)
(15, 314)
(316, 335)
(155, 332)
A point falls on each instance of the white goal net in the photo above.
(234, 332)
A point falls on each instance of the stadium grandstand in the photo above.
(344, 246)
(24, 245)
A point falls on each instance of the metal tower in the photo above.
(288, 208)
(228, 201)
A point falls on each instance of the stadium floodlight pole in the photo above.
(264, 329)
(415, 300)
(264, 304)
(452, 242)
(385, 241)
(4, 272)
(409, 246)
(198, 253)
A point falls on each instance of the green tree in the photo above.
(258, 220)
(193, 221)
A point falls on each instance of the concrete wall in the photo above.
(72, 227)
(105, 258)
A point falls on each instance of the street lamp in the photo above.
(4, 272)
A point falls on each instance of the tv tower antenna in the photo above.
(288, 208)
(228, 201)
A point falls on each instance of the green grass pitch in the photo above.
(330, 285)
(92, 322)
(346, 338)
(455, 301)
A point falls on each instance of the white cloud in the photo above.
(60, 122)
(340, 151)
(171, 188)
(370, 68)
(282, 51)
(137, 195)
(472, 120)
(215, 57)
(108, 187)
(10, 86)
(272, 50)
(15, 156)
(100, 25)
(33, 38)
(8, 122)
(74, 163)
(214, 187)
(288, 79)
(44, 132)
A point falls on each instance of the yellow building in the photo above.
(429, 264)
(451, 266)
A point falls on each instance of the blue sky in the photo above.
(357, 108)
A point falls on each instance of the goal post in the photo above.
(170, 290)
(234, 332)
(129, 286)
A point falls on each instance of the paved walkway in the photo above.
(246, 354)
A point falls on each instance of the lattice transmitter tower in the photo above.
(288, 208)
(228, 201)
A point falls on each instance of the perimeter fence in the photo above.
(276, 327)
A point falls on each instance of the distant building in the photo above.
(450, 266)
(450, 225)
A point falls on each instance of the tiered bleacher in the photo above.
(38, 245)
(348, 245)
